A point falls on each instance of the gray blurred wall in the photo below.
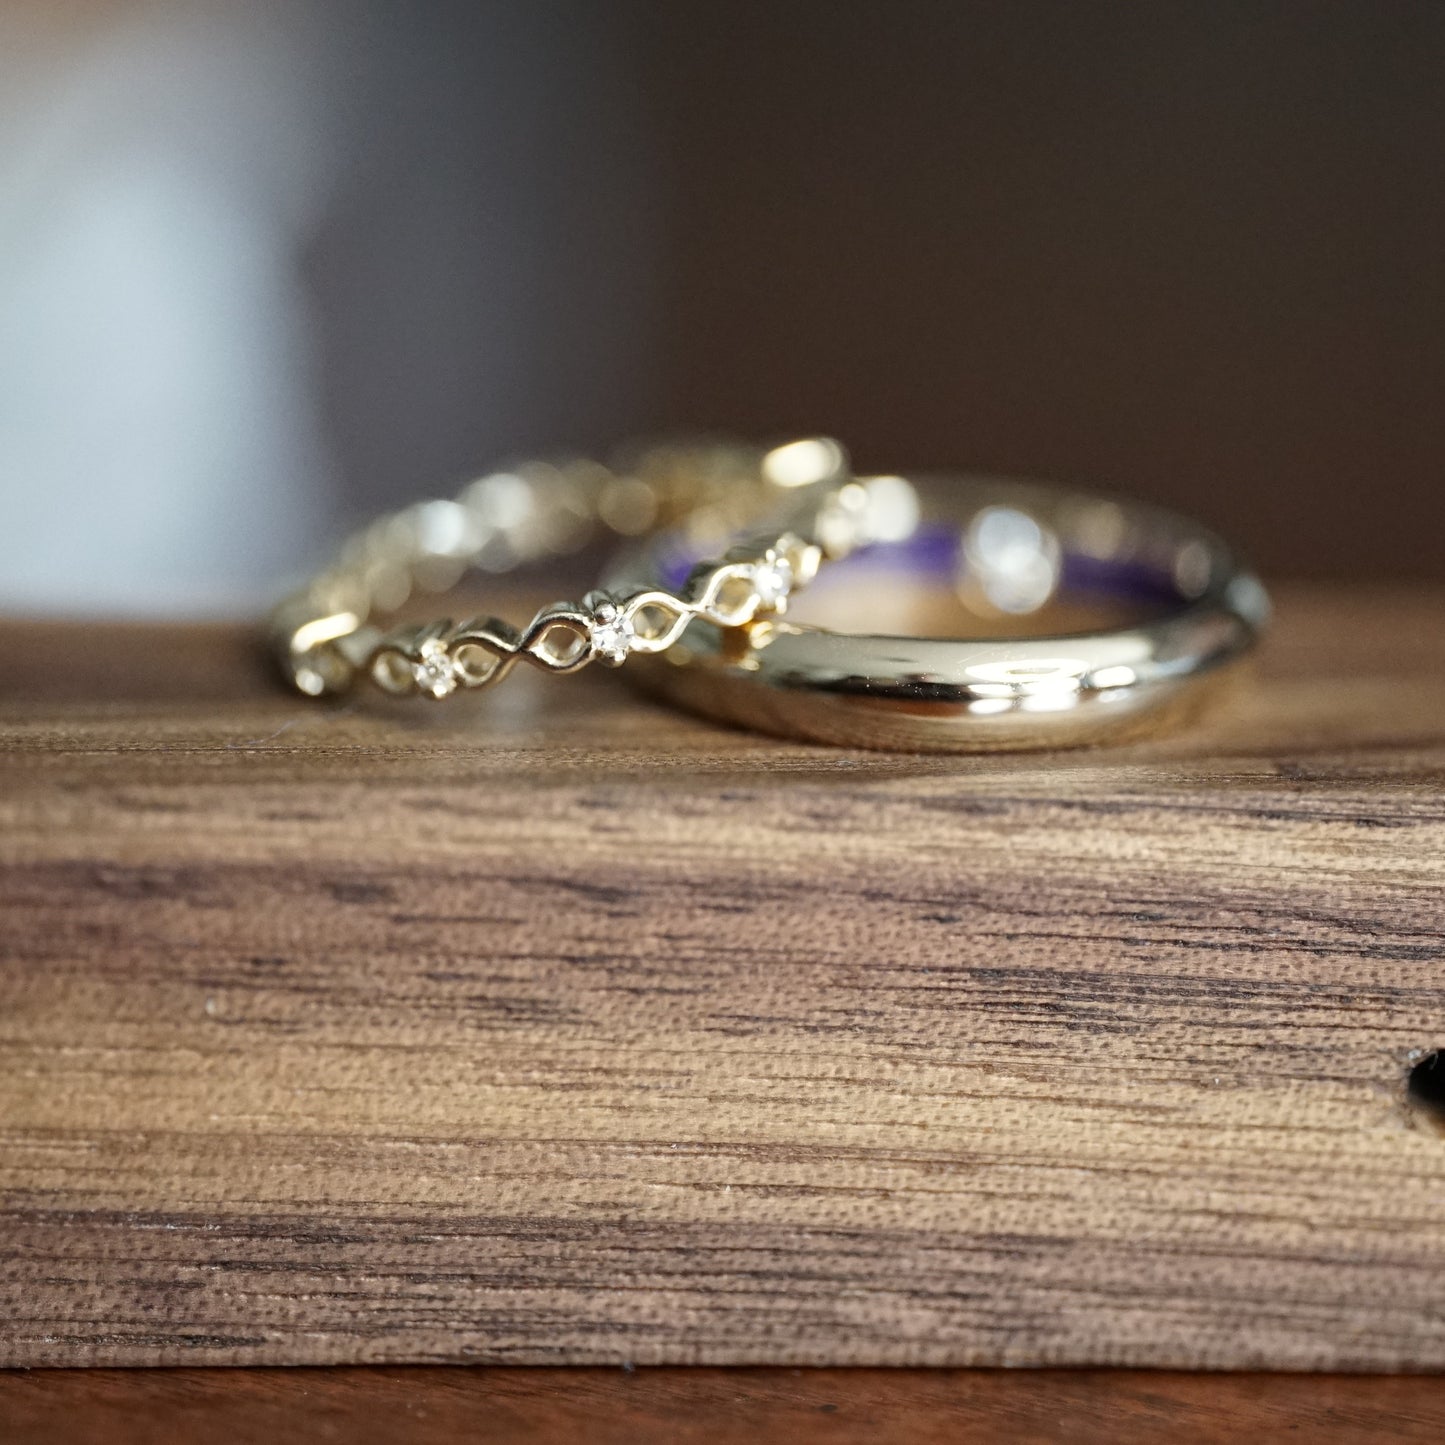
(267, 267)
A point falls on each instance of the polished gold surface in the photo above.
(711, 635)
(985, 691)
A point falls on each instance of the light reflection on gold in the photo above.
(1118, 676)
(1192, 567)
(324, 629)
(1098, 529)
(628, 505)
(893, 508)
(801, 463)
(1010, 562)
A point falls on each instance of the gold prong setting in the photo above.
(772, 582)
(435, 671)
(613, 633)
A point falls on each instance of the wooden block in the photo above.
(553, 1027)
(444, 1405)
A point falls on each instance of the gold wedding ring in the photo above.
(335, 632)
(1008, 551)
(1155, 606)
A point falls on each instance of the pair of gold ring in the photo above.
(718, 544)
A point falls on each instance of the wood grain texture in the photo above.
(441, 1406)
(556, 1028)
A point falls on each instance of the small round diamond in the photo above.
(612, 633)
(435, 672)
(772, 581)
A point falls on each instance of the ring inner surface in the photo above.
(1008, 577)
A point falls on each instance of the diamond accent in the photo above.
(772, 581)
(612, 633)
(435, 673)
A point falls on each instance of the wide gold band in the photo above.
(1016, 547)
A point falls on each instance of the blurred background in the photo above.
(266, 268)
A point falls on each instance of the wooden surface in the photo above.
(555, 1028)
(445, 1406)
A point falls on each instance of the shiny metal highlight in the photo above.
(981, 693)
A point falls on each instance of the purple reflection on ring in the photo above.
(936, 551)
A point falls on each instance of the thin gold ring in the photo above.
(334, 633)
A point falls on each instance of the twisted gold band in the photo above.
(326, 639)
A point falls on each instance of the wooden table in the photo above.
(553, 1027)
(449, 1405)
